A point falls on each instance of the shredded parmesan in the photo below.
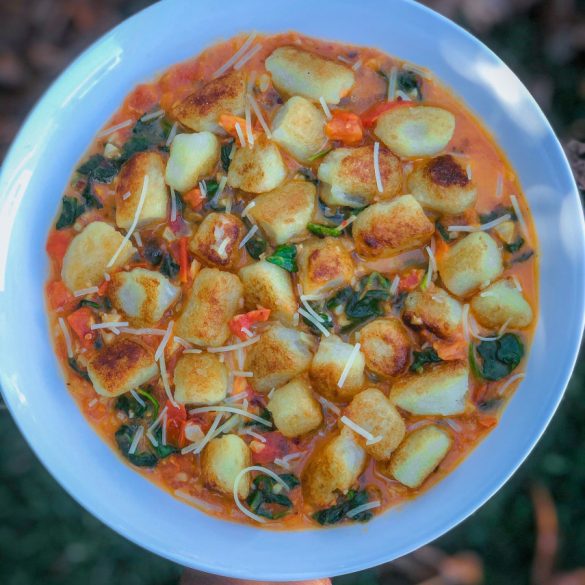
(172, 134)
(134, 222)
(203, 188)
(173, 205)
(154, 426)
(520, 217)
(465, 321)
(247, 43)
(282, 463)
(392, 84)
(126, 195)
(487, 293)
(161, 347)
(221, 249)
(351, 359)
(237, 397)
(248, 236)
(145, 331)
(480, 228)
(499, 186)
(109, 324)
(517, 283)
(195, 501)
(453, 424)
(115, 128)
(242, 374)
(254, 434)
(164, 429)
(239, 477)
(325, 108)
(248, 207)
(246, 331)
(233, 410)
(259, 115)
(136, 440)
(92, 403)
(344, 59)
(247, 57)
(357, 65)
(107, 277)
(356, 428)
(363, 508)
(305, 302)
(198, 447)
(137, 398)
(182, 342)
(66, 337)
(318, 325)
(510, 381)
(377, 167)
(403, 96)
(85, 291)
(295, 320)
(219, 192)
(501, 331)
(394, 286)
(248, 116)
(152, 116)
(240, 134)
(234, 346)
(193, 350)
(165, 379)
(138, 239)
(329, 405)
(347, 222)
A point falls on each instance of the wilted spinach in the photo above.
(264, 414)
(78, 369)
(496, 212)
(226, 149)
(71, 209)
(499, 357)
(263, 500)
(522, 257)
(99, 168)
(339, 511)
(424, 357)
(410, 83)
(284, 256)
(514, 246)
(443, 231)
(168, 266)
(324, 230)
(124, 437)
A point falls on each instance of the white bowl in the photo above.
(37, 169)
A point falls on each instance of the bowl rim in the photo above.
(10, 399)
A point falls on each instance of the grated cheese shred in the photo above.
(233, 410)
(351, 359)
(248, 236)
(317, 324)
(66, 337)
(363, 508)
(247, 43)
(377, 167)
(325, 108)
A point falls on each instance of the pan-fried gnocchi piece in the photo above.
(88, 255)
(439, 390)
(283, 214)
(418, 456)
(390, 227)
(472, 262)
(324, 266)
(121, 366)
(413, 131)
(201, 110)
(269, 286)
(434, 310)
(142, 295)
(298, 72)
(350, 178)
(279, 356)
(258, 169)
(328, 365)
(500, 303)
(386, 346)
(222, 460)
(294, 409)
(213, 300)
(193, 156)
(441, 184)
(131, 180)
(333, 469)
(216, 242)
(298, 127)
(200, 378)
(372, 411)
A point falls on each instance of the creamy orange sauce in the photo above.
(471, 140)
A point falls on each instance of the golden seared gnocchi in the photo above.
(390, 227)
(258, 169)
(294, 409)
(211, 303)
(89, 254)
(121, 366)
(280, 355)
(222, 461)
(193, 156)
(144, 172)
(283, 214)
(350, 177)
(200, 379)
(386, 346)
(267, 285)
(372, 411)
(473, 262)
(442, 184)
(337, 370)
(299, 128)
(290, 275)
(324, 266)
(200, 111)
(333, 469)
(502, 303)
(441, 390)
(298, 72)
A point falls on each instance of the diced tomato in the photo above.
(410, 280)
(183, 260)
(80, 321)
(176, 421)
(345, 127)
(194, 198)
(441, 247)
(276, 446)
(228, 123)
(143, 98)
(58, 294)
(451, 350)
(103, 288)
(58, 243)
(370, 116)
(488, 421)
(246, 320)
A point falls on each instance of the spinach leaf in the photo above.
(161, 450)
(490, 405)
(523, 257)
(374, 280)
(498, 211)
(263, 500)
(409, 82)
(327, 322)
(124, 437)
(99, 168)
(265, 414)
(168, 266)
(339, 298)
(147, 393)
(339, 511)
(152, 252)
(211, 187)
(443, 231)
(285, 256)
(225, 155)
(424, 357)
(473, 361)
(514, 246)
(500, 357)
(319, 154)
(78, 369)
(338, 214)
(128, 404)
(91, 200)
(309, 175)
(364, 306)
(256, 246)
(71, 209)
(324, 230)
(88, 303)
(145, 135)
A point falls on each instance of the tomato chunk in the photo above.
(345, 127)
(239, 323)
(58, 294)
(80, 321)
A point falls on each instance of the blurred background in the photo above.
(531, 532)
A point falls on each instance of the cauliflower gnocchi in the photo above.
(283, 284)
